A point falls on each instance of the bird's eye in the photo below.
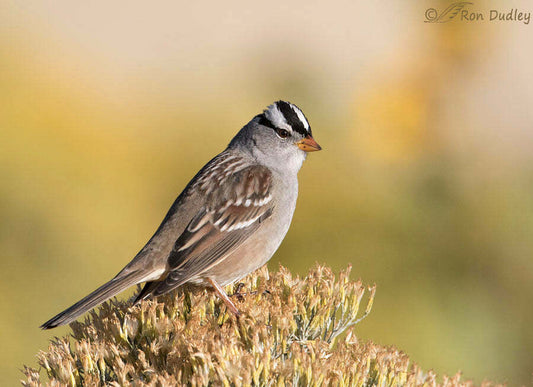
(282, 133)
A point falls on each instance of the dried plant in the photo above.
(286, 335)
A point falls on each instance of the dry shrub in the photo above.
(286, 335)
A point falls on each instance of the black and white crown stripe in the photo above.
(285, 115)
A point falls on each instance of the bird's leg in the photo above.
(222, 294)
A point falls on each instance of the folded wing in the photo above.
(235, 208)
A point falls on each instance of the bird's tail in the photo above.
(103, 293)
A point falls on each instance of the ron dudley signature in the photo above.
(460, 11)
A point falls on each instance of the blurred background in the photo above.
(425, 183)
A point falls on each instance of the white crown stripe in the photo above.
(301, 116)
(274, 115)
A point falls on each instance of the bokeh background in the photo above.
(425, 184)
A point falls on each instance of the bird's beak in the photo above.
(308, 144)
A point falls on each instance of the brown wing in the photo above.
(235, 207)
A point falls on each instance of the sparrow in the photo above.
(228, 221)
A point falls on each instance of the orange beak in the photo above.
(308, 144)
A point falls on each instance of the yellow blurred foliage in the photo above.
(395, 116)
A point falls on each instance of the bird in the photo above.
(229, 220)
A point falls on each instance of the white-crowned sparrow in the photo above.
(228, 221)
